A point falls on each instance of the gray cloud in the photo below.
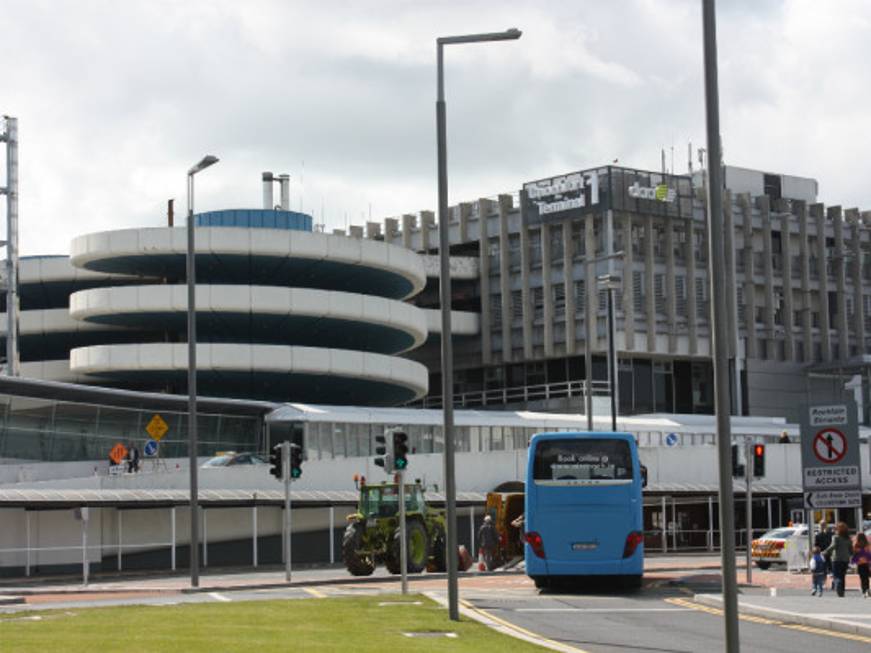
(116, 100)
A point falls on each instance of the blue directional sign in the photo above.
(671, 439)
(151, 448)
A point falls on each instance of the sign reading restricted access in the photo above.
(831, 475)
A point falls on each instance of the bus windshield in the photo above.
(582, 460)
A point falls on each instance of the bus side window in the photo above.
(643, 475)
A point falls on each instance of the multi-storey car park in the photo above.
(283, 312)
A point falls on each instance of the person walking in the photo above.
(818, 572)
(823, 539)
(841, 550)
(488, 542)
(862, 560)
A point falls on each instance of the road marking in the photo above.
(597, 609)
(219, 597)
(314, 592)
(772, 622)
(830, 633)
(518, 629)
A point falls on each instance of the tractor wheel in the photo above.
(439, 549)
(418, 549)
(356, 563)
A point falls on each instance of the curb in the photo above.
(11, 600)
(716, 601)
(344, 580)
(504, 627)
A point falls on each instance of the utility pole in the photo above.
(10, 137)
(717, 321)
(403, 542)
(748, 495)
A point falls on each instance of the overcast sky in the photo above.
(116, 100)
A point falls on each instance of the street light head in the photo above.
(204, 163)
(508, 35)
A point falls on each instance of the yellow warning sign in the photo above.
(157, 428)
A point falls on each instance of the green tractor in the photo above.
(372, 535)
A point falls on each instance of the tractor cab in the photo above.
(378, 501)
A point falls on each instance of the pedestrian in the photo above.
(862, 560)
(132, 459)
(822, 539)
(488, 542)
(818, 572)
(841, 550)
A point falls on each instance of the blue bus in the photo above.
(583, 508)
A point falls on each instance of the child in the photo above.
(862, 560)
(818, 572)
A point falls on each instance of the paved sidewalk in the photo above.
(851, 614)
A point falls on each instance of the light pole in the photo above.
(609, 283)
(718, 317)
(445, 301)
(204, 163)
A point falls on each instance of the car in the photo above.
(776, 545)
(232, 459)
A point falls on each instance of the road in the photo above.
(655, 620)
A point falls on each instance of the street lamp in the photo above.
(445, 300)
(204, 163)
(610, 283)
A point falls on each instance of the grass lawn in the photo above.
(355, 624)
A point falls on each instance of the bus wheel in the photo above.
(763, 564)
(632, 582)
(541, 583)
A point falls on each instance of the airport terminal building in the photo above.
(796, 271)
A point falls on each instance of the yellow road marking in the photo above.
(314, 592)
(831, 633)
(771, 622)
(518, 629)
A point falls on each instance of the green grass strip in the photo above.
(356, 624)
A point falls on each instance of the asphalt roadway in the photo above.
(657, 619)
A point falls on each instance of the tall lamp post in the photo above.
(204, 163)
(609, 283)
(445, 301)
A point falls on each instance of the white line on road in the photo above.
(219, 597)
(594, 609)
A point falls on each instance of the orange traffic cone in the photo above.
(482, 566)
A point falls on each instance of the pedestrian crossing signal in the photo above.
(758, 460)
(400, 450)
(275, 461)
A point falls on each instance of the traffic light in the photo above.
(758, 460)
(296, 453)
(384, 458)
(275, 461)
(737, 467)
(295, 461)
(400, 450)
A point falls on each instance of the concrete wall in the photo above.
(781, 389)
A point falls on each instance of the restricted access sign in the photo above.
(831, 475)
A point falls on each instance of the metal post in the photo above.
(120, 536)
(172, 536)
(85, 566)
(447, 345)
(254, 534)
(332, 534)
(710, 523)
(11, 192)
(472, 529)
(285, 468)
(664, 526)
(205, 540)
(192, 387)
(673, 525)
(612, 358)
(770, 525)
(718, 316)
(590, 316)
(27, 542)
(403, 541)
(748, 500)
(445, 302)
